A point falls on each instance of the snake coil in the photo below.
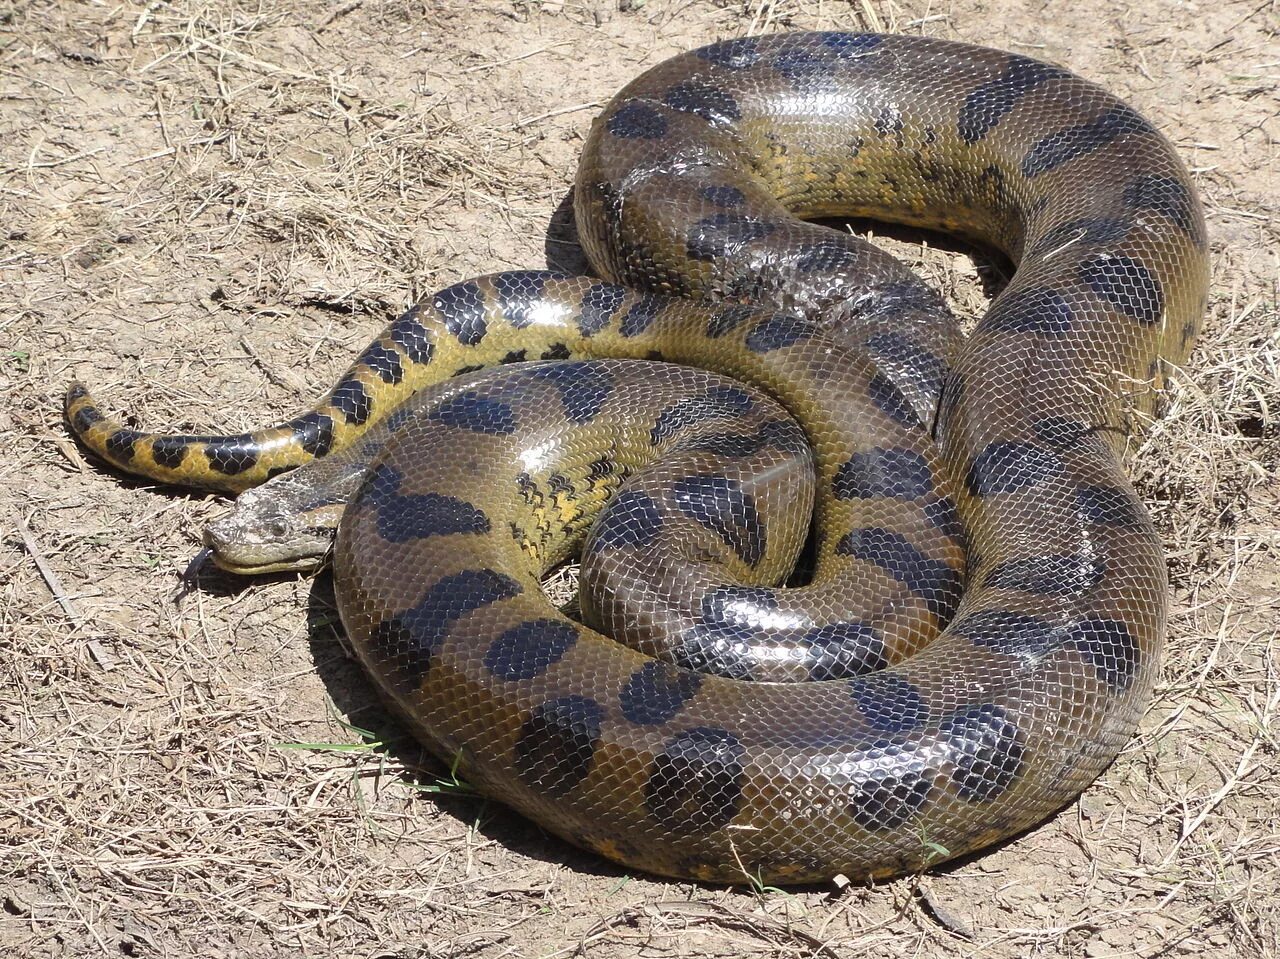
(984, 619)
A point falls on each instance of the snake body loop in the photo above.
(953, 698)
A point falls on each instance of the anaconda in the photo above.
(1007, 682)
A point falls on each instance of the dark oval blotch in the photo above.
(637, 121)
(843, 650)
(405, 518)
(1010, 466)
(695, 785)
(632, 519)
(558, 742)
(933, 581)
(1126, 284)
(529, 649)
(1110, 648)
(477, 413)
(656, 692)
(987, 751)
(889, 703)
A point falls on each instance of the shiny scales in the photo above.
(692, 184)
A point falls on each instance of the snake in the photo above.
(979, 627)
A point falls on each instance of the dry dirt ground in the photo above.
(206, 209)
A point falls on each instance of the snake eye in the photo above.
(279, 528)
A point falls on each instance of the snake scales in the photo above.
(952, 701)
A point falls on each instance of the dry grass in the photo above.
(204, 201)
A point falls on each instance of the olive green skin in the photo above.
(690, 184)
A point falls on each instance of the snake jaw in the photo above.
(263, 534)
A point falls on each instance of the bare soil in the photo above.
(206, 208)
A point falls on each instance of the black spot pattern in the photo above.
(314, 431)
(558, 743)
(352, 400)
(1110, 506)
(1090, 231)
(841, 650)
(1169, 198)
(704, 100)
(986, 752)
(1063, 146)
(851, 46)
(584, 388)
(903, 355)
(1126, 284)
(889, 400)
(475, 412)
(719, 402)
(411, 638)
(637, 121)
(385, 362)
(405, 518)
(85, 417)
(122, 444)
(735, 54)
(1110, 648)
(519, 291)
(557, 351)
(728, 197)
(231, 455)
(782, 434)
(641, 316)
(1061, 576)
(888, 122)
(529, 649)
(942, 515)
(737, 606)
(1039, 312)
(889, 703)
(1061, 432)
(728, 318)
(932, 580)
(1006, 467)
(828, 256)
(720, 505)
(598, 307)
(695, 785)
(412, 337)
(803, 67)
(895, 473)
(891, 798)
(986, 106)
(724, 234)
(720, 649)
(462, 308)
(1014, 634)
(656, 692)
(631, 519)
(169, 451)
(776, 331)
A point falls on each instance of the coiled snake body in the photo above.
(950, 701)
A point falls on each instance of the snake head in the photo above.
(272, 529)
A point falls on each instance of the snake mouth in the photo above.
(228, 565)
(208, 554)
